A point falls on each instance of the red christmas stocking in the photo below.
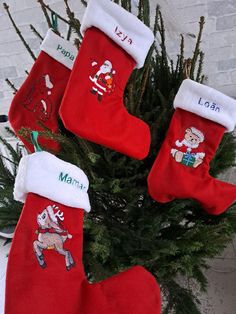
(39, 98)
(134, 291)
(181, 168)
(92, 106)
(45, 271)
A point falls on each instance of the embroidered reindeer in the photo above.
(51, 235)
(38, 99)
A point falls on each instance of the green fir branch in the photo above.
(84, 3)
(46, 7)
(46, 15)
(74, 22)
(34, 30)
(197, 47)
(15, 90)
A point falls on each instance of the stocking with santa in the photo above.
(93, 106)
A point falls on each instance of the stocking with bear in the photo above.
(181, 169)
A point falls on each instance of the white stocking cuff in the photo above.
(44, 174)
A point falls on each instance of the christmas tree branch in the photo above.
(203, 78)
(143, 85)
(10, 132)
(156, 22)
(144, 11)
(43, 7)
(130, 97)
(36, 32)
(74, 22)
(11, 150)
(177, 67)
(6, 7)
(200, 67)
(163, 41)
(197, 47)
(187, 68)
(46, 6)
(8, 159)
(69, 33)
(68, 145)
(15, 90)
(181, 57)
(126, 4)
(84, 3)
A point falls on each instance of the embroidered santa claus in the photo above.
(102, 79)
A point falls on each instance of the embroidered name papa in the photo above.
(210, 105)
(65, 178)
(66, 53)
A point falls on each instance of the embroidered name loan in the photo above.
(66, 53)
(65, 178)
(210, 105)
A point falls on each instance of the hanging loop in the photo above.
(54, 18)
(34, 139)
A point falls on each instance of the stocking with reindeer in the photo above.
(45, 272)
(39, 98)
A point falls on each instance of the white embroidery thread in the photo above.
(102, 80)
(52, 236)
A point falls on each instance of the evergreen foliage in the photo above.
(126, 227)
(9, 208)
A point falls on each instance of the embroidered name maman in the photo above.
(210, 105)
(64, 177)
(65, 53)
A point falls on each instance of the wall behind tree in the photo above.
(219, 40)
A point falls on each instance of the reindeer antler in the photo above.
(54, 216)
(59, 214)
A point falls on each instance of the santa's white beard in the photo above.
(104, 69)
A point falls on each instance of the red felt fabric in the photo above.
(97, 115)
(170, 179)
(38, 101)
(32, 289)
